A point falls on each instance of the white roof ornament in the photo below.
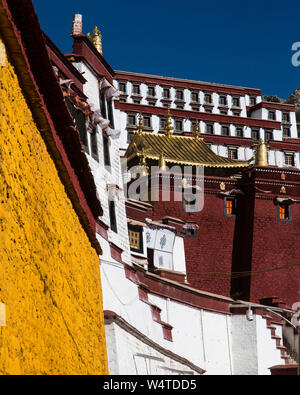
(108, 89)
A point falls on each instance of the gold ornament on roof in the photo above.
(162, 162)
(222, 186)
(261, 154)
(168, 128)
(197, 130)
(96, 39)
(140, 125)
(283, 190)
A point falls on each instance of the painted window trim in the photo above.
(235, 206)
(289, 219)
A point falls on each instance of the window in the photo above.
(94, 145)
(223, 100)
(236, 114)
(272, 115)
(225, 131)
(233, 153)
(131, 120)
(111, 113)
(230, 207)
(136, 239)
(252, 101)
(103, 105)
(284, 212)
(151, 91)
(286, 117)
(208, 98)
(269, 136)
(178, 125)
(239, 132)
(289, 159)
(112, 215)
(166, 93)
(162, 123)
(122, 87)
(286, 132)
(209, 128)
(255, 135)
(147, 121)
(195, 97)
(236, 102)
(224, 112)
(80, 123)
(179, 95)
(136, 90)
(106, 151)
(191, 231)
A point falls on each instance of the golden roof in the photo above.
(181, 150)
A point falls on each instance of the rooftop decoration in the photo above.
(96, 39)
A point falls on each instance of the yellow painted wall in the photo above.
(49, 272)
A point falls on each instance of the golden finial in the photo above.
(261, 155)
(197, 130)
(143, 165)
(96, 39)
(162, 162)
(141, 124)
(283, 190)
(168, 128)
(223, 186)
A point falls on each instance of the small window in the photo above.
(233, 153)
(162, 123)
(225, 131)
(209, 128)
(106, 151)
(269, 136)
(252, 101)
(272, 115)
(111, 113)
(178, 125)
(131, 120)
(286, 117)
(286, 132)
(284, 212)
(103, 105)
(239, 132)
(230, 207)
(136, 239)
(255, 135)
(208, 110)
(80, 122)
(190, 201)
(136, 89)
(122, 87)
(112, 215)
(236, 102)
(166, 93)
(191, 232)
(195, 97)
(151, 91)
(289, 160)
(223, 100)
(208, 98)
(147, 122)
(224, 112)
(179, 95)
(94, 145)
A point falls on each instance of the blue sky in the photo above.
(246, 43)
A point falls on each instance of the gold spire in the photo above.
(162, 162)
(197, 130)
(96, 39)
(168, 128)
(261, 155)
(143, 166)
(141, 124)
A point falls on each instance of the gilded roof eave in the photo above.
(176, 149)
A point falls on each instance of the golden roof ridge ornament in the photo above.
(261, 154)
(162, 162)
(96, 39)
(197, 130)
(168, 128)
(140, 127)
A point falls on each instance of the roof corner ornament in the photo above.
(168, 128)
(96, 39)
(261, 154)
(76, 25)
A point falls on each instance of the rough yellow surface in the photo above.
(49, 272)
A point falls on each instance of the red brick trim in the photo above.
(116, 252)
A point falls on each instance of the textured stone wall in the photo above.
(49, 272)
